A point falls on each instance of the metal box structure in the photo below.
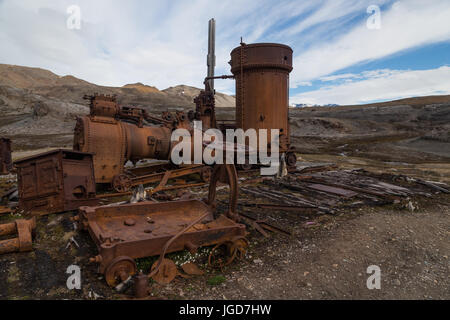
(56, 181)
(262, 72)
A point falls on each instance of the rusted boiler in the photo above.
(116, 134)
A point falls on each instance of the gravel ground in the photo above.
(326, 258)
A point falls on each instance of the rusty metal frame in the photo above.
(123, 183)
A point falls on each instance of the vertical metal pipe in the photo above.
(211, 59)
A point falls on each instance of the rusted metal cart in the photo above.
(123, 233)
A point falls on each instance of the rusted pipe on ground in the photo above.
(21, 243)
(8, 228)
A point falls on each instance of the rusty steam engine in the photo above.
(116, 134)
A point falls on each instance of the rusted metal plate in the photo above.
(5, 156)
(339, 191)
(56, 181)
(4, 210)
(192, 269)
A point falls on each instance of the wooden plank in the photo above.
(334, 190)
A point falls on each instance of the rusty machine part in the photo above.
(227, 174)
(23, 242)
(5, 156)
(124, 182)
(261, 71)
(126, 232)
(191, 268)
(167, 271)
(56, 181)
(141, 286)
(116, 134)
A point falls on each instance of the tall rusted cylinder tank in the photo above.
(262, 72)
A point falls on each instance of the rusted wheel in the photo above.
(119, 270)
(218, 257)
(166, 273)
(291, 159)
(205, 174)
(121, 183)
(226, 252)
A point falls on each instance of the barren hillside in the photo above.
(415, 129)
(38, 108)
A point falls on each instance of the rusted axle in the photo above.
(23, 242)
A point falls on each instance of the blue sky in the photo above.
(338, 56)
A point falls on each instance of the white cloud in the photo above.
(338, 76)
(381, 85)
(161, 43)
(406, 25)
(305, 84)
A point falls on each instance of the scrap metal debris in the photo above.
(332, 191)
(4, 210)
(191, 269)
